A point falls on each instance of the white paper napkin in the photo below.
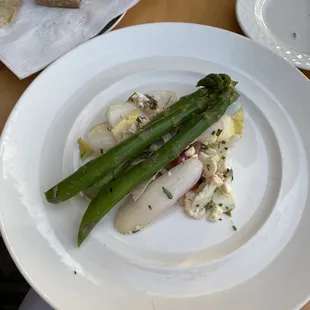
(39, 35)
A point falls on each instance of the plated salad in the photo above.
(158, 150)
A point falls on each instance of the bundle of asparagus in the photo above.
(194, 113)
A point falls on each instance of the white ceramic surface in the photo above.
(176, 262)
(281, 25)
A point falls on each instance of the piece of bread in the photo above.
(7, 11)
(74, 4)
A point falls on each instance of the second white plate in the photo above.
(281, 25)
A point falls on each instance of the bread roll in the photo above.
(7, 11)
(75, 4)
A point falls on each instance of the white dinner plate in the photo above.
(281, 25)
(177, 262)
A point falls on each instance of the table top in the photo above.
(215, 13)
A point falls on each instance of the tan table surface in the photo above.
(217, 13)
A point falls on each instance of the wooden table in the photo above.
(217, 13)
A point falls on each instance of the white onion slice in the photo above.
(100, 138)
(116, 111)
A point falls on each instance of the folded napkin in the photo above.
(39, 35)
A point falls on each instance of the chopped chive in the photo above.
(228, 213)
(101, 151)
(219, 132)
(224, 142)
(213, 133)
(150, 207)
(130, 99)
(226, 148)
(234, 228)
(169, 195)
(204, 146)
(220, 204)
(223, 157)
(208, 206)
(203, 179)
(152, 101)
(208, 167)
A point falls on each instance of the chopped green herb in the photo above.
(234, 228)
(223, 157)
(204, 146)
(213, 133)
(220, 219)
(197, 206)
(150, 207)
(227, 170)
(208, 206)
(208, 167)
(203, 179)
(220, 204)
(135, 231)
(219, 132)
(153, 103)
(169, 195)
(130, 99)
(101, 151)
(228, 213)
(110, 129)
(224, 142)
(226, 148)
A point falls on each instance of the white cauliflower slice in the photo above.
(224, 200)
(211, 139)
(215, 214)
(211, 152)
(209, 164)
(187, 201)
(226, 187)
(222, 152)
(197, 213)
(197, 208)
(223, 164)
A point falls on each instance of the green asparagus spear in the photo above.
(119, 188)
(94, 170)
(211, 83)
(93, 190)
